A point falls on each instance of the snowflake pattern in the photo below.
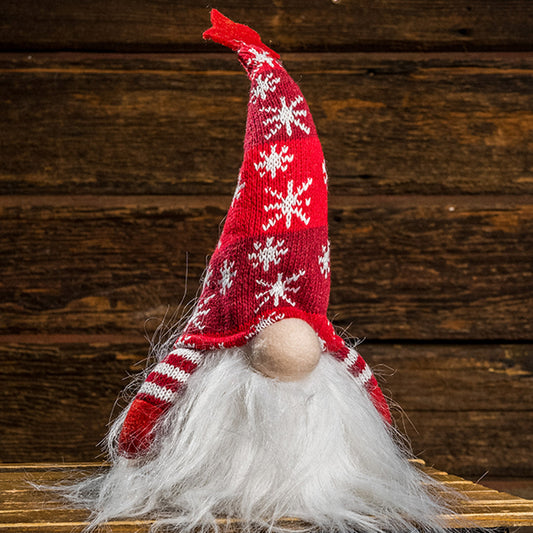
(200, 312)
(285, 116)
(267, 253)
(258, 59)
(288, 205)
(227, 273)
(264, 322)
(325, 173)
(263, 86)
(274, 161)
(278, 290)
(323, 260)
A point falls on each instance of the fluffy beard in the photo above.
(239, 445)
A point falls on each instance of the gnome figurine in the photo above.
(267, 285)
(260, 410)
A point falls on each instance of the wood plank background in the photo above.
(120, 144)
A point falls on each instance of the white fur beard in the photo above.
(239, 445)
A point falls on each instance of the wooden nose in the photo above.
(288, 350)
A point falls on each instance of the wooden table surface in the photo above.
(25, 509)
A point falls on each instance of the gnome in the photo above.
(268, 282)
(260, 410)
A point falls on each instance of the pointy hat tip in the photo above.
(233, 35)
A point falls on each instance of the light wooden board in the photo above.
(26, 509)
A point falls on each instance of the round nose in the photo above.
(287, 350)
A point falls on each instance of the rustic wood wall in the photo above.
(121, 137)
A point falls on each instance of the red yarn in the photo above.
(136, 435)
(233, 34)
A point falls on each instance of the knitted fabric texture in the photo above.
(272, 261)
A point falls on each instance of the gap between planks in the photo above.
(301, 56)
(490, 201)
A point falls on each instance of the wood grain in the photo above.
(136, 25)
(463, 406)
(30, 510)
(475, 443)
(61, 398)
(145, 124)
(402, 267)
(457, 377)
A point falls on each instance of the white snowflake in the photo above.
(263, 86)
(325, 172)
(274, 161)
(323, 260)
(200, 312)
(227, 273)
(264, 322)
(288, 205)
(267, 253)
(285, 116)
(278, 290)
(259, 58)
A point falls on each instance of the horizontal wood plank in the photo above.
(412, 123)
(402, 268)
(461, 377)
(37, 511)
(461, 405)
(61, 398)
(286, 25)
(475, 443)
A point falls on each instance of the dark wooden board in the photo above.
(462, 377)
(389, 124)
(466, 408)
(407, 267)
(61, 397)
(476, 443)
(521, 486)
(434, 269)
(286, 25)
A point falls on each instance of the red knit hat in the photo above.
(272, 260)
